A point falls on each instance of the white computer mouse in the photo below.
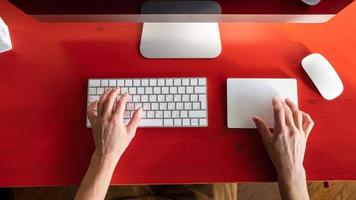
(323, 75)
(311, 2)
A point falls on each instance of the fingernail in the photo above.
(275, 100)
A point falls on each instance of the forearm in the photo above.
(293, 185)
(97, 178)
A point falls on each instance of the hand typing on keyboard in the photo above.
(166, 102)
(111, 135)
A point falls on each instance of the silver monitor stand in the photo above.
(180, 40)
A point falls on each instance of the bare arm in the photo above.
(111, 137)
(286, 147)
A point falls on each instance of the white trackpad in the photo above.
(249, 97)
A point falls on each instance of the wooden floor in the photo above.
(250, 191)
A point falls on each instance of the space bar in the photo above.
(150, 122)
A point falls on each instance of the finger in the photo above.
(110, 100)
(91, 110)
(308, 123)
(120, 107)
(288, 115)
(297, 114)
(278, 110)
(262, 128)
(132, 125)
(101, 101)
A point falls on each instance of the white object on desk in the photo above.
(166, 102)
(312, 2)
(323, 75)
(5, 41)
(180, 40)
(249, 97)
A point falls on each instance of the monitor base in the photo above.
(180, 40)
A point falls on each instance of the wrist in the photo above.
(104, 160)
(295, 174)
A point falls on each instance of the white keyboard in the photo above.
(166, 102)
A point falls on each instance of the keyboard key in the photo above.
(194, 81)
(92, 91)
(93, 98)
(148, 90)
(167, 114)
(144, 114)
(159, 114)
(161, 82)
(146, 106)
(177, 98)
(136, 83)
(151, 122)
(202, 81)
(181, 90)
(169, 82)
(194, 97)
(100, 90)
(179, 106)
(154, 106)
(124, 90)
(138, 105)
(202, 99)
(129, 99)
(130, 106)
(196, 106)
(168, 122)
(104, 83)
(185, 98)
(156, 90)
(136, 98)
(163, 106)
(178, 122)
(94, 83)
(160, 98)
(199, 90)
(132, 90)
(185, 82)
(194, 122)
(186, 122)
(190, 90)
(177, 82)
(144, 82)
(173, 90)
(140, 90)
(121, 83)
(184, 114)
(150, 114)
(144, 98)
(188, 106)
(153, 98)
(169, 98)
(153, 82)
(128, 83)
(165, 90)
(171, 106)
(197, 114)
(112, 83)
(175, 114)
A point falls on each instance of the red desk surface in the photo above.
(43, 81)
